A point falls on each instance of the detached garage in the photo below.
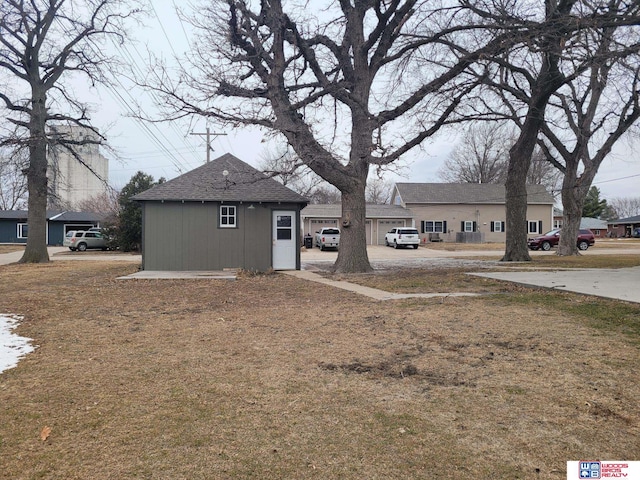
(224, 214)
(379, 219)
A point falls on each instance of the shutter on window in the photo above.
(444, 226)
(462, 226)
(475, 227)
(492, 226)
(540, 226)
(421, 226)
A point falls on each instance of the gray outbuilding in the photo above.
(224, 214)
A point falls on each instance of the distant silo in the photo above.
(73, 181)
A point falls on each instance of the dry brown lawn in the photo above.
(270, 377)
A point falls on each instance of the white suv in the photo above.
(402, 237)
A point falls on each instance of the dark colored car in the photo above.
(551, 239)
(636, 233)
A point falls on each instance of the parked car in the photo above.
(636, 233)
(328, 238)
(551, 239)
(402, 237)
(82, 240)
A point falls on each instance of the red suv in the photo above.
(551, 239)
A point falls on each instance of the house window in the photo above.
(23, 230)
(535, 227)
(467, 226)
(431, 226)
(557, 223)
(497, 226)
(227, 216)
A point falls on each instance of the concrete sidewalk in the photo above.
(373, 293)
(616, 283)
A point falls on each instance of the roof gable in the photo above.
(465, 193)
(242, 183)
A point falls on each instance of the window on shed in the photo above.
(227, 216)
(23, 230)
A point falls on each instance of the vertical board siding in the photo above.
(186, 236)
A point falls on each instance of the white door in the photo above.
(284, 240)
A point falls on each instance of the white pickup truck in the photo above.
(327, 238)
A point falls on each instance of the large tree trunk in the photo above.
(574, 192)
(516, 249)
(352, 254)
(36, 249)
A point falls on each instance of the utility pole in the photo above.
(208, 135)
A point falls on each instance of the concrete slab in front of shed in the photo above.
(168, 275)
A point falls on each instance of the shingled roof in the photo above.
(334, 210)
(242, 183)
(466, 193)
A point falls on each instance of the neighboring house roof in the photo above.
(55, 215)
(635, 219)
(13, 214)
(557, 212)
(372, 211)
(242, 183)
(593, 223)
(75, 216)
(465, 193)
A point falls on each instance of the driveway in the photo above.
(63, 253)
(616, 283)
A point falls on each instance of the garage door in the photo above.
(317, 223)
(385, 225)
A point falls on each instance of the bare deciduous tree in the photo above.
(106, 203)
(378, 191)
(481, 156)
(559, 52)
(625, 207)
(588, 117)
(360, 84)
(43, 44)
(13, 183)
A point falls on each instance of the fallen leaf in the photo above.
(44, 434)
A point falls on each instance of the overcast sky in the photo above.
(169, 149)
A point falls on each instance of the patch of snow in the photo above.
(12, 347)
